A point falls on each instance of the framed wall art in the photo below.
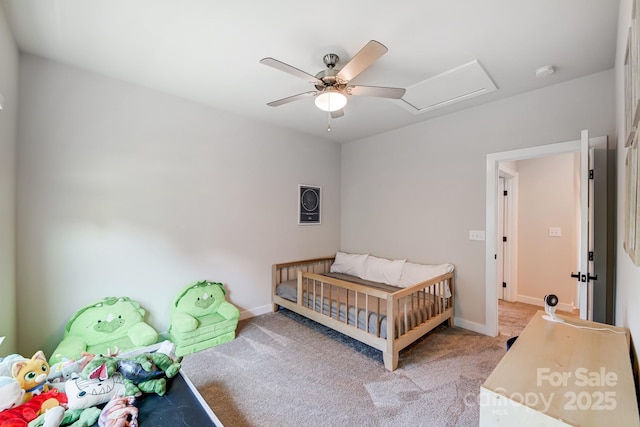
(632, 201)
(632, 138)
(631, 170)
(632, 77)
(309, 204)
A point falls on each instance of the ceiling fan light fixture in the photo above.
(331, 100)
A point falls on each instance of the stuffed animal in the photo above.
(52, 417)
(31, 374)
(85, 393)
(145, 373)
(81, 417)
(11, 394)
(22, 414)
(60, 372)
(72, 417)
(119, 412)
(7, 362)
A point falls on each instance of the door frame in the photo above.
(493, 161)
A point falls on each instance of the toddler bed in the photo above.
(341, 295)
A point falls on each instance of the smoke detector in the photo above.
(545, 71)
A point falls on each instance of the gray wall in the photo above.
(8, 138)
(123, 191)
(416, 192)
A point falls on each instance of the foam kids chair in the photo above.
(201, 317)
(110, 325)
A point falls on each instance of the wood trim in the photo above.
(303, 262)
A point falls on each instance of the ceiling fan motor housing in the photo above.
(330, 60)
(328, 76)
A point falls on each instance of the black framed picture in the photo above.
(309, 204)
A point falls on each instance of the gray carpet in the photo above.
(285, 370)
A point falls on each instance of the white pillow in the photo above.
(383, 270)
(83, 394)
(352, 264)
(413, 273)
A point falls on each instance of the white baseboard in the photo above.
(472, 326)
(540, 303)
(247, 314)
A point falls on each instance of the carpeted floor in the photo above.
(285, 370)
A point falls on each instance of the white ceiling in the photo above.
(208, 50)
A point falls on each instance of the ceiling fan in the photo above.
(333, 85)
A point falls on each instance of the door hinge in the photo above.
(590, 255)
(590, 173)
(504, 284)
(505, 193)
(504, 238)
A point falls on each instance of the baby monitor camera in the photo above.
(550, 303)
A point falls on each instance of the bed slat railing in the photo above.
(411, 307)
(427, 301)
(289, 270)
(318, 294)
(342, 301)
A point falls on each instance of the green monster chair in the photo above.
(201, 317)
(110, 325)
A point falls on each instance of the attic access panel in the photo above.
(461, 83)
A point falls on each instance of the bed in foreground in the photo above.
(384, 316)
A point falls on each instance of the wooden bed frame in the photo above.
(414, 310)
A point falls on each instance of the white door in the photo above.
(586, 213)
(506, 238)
(500, 238)
(586, 275)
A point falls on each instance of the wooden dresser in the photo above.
(576, 373)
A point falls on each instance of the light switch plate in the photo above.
(476, 234)
(555, 232)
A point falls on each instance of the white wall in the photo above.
(8, 137)
(416, 192)
(546, 199)
(123, 191)
(627, 274)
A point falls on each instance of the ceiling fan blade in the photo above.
(291, 98)
(361, 60)
(338, 113)
(279, 65)
(380, 92)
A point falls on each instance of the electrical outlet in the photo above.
(555, 231)
(476, 234)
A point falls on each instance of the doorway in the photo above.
(491, 251)
(538, 235)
